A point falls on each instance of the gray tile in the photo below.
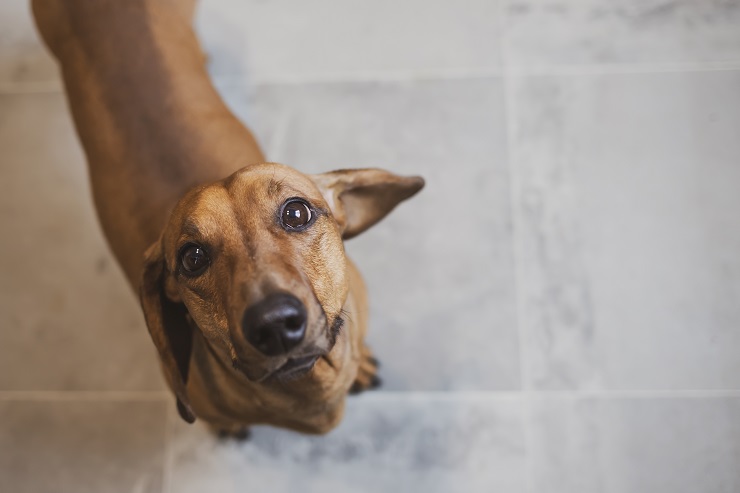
(323, 38)
(270, 40)
(69, 319)
(388, 442)
(439, 268)
(574, 32)
(23, 57)
(239, 95)
(637, 445)
(628, 227)
(81, 446)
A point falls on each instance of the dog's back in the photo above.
(149, 119)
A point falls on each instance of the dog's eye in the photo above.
(296, 214)
(194, 259)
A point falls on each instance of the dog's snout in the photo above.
(276, 324)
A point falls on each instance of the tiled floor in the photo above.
(558, 311)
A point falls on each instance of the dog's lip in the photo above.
(295, 366)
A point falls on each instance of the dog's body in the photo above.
(257, 314)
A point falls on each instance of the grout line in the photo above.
(552, 394)
(516, 251)
(514, 187)
(359, 77)
(479, 73)
(55, 86)
(635, 394)
(162, 396)
(83, 395)
(619, 69)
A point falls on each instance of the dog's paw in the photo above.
(238, 433)
(367, 373)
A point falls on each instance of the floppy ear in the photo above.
(168, 327)
(359, 198)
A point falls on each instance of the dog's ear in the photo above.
(359, 198)
(168, 327)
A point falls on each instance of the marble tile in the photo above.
(440, 267)
(81, 446)
(23, 57)
(543, 33)
(239, 94)
(69, 319)
(627, 214)
(388, 442)
(268, 40)
(642, 445)
(324, 38)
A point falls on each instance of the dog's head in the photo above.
(256, 263)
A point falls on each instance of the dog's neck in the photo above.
(148, 116)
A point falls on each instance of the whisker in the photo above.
(334, 330)
(345, 314)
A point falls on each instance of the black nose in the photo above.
(276, 324)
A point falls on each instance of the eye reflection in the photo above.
(295, 215)
(194, 259)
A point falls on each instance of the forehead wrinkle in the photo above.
(210, 214)
(246, 201)
(190, 229)
(304, 188)
(275, 179)
(258, 192)
(275, 187)
(282, 189)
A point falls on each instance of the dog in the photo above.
(257, 314)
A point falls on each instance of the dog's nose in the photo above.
(276, 324)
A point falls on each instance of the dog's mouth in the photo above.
(295, 367)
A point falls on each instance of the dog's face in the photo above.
(257, 262)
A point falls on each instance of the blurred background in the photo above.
(558, 311)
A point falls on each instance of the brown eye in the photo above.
(295, 215)
(194, 259)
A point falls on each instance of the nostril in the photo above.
(295, 322)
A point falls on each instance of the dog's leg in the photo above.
(367, 373)
(233, 431)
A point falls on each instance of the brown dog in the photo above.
(256, 312)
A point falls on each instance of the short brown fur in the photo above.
(170, 165)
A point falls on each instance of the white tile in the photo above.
(81, 446)
(270, 40)
(23, 57)
(388, 442)
(636, 445)
(628, 200)
(576, 32)
(69, 319)
(440, 267)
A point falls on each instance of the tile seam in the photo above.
(55, 87)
